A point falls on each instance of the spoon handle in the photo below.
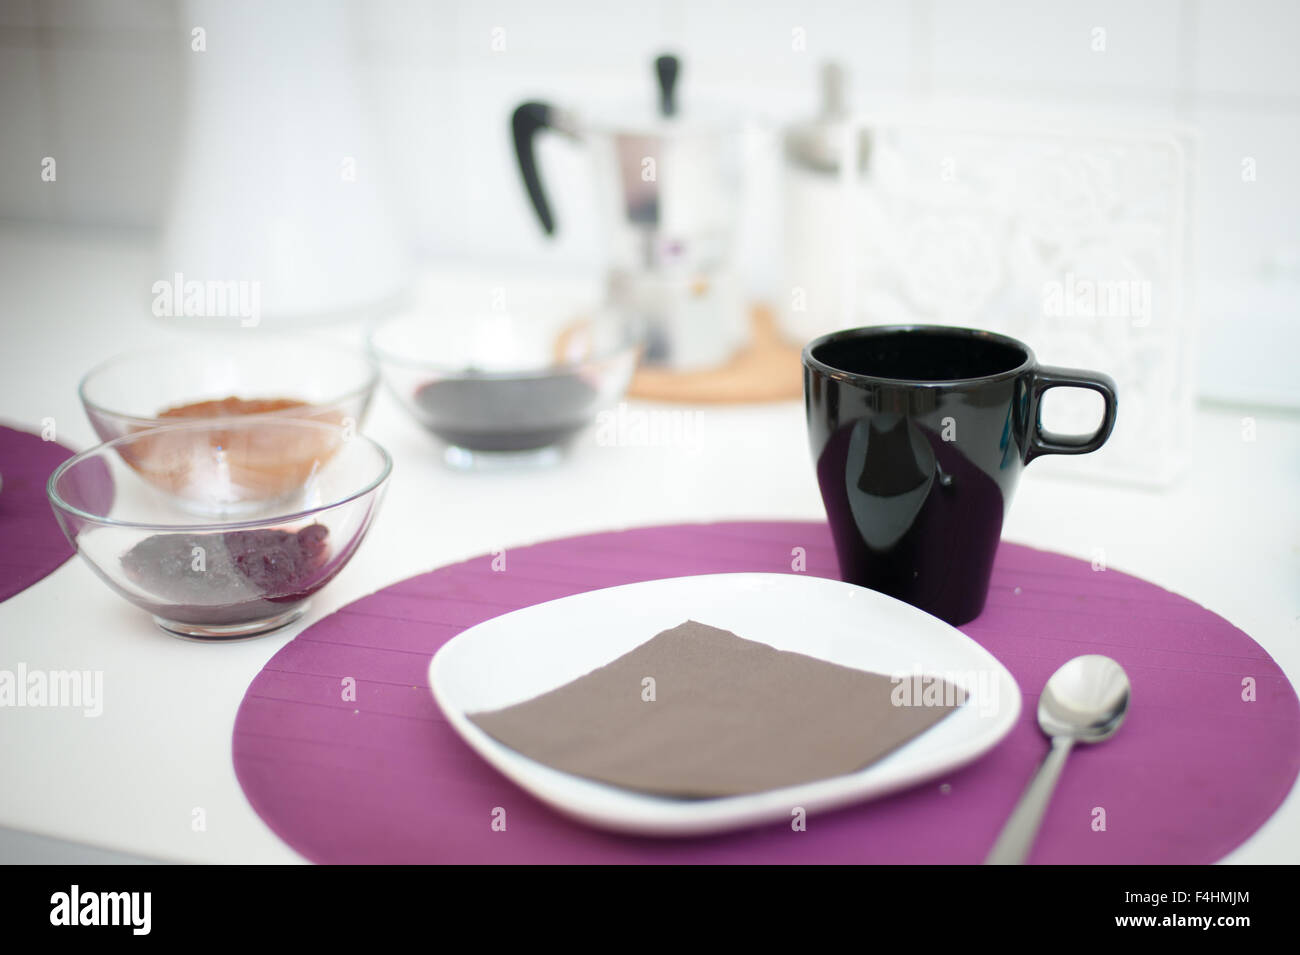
(1017, 837)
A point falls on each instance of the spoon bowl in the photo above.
(1087, 699)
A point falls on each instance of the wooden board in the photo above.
(767, 369)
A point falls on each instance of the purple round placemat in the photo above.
(384, 779)
(31, 544)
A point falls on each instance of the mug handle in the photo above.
(1047, 442)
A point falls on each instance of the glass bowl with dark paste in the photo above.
(252, 565)
(503, 387)
(266, 376)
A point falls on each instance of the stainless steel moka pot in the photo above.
(668, 187)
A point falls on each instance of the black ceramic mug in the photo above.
(919, 434)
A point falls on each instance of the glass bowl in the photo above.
(252, 566)
(287, 376)
(505, 388)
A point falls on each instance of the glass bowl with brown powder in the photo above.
(252, 374)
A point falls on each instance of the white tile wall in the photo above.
(1247, 225)
(1247, 48)
(115, 127)
(1106, 48)
(100, 84)
(27, 137)
(598, 36)
(99, 87)
(18, 13)
(111, 17)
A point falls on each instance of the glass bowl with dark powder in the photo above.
(500, 387)
(250, 567)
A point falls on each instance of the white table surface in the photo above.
(1228, 536)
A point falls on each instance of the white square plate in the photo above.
(525, 653)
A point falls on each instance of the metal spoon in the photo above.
(1084, 701)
